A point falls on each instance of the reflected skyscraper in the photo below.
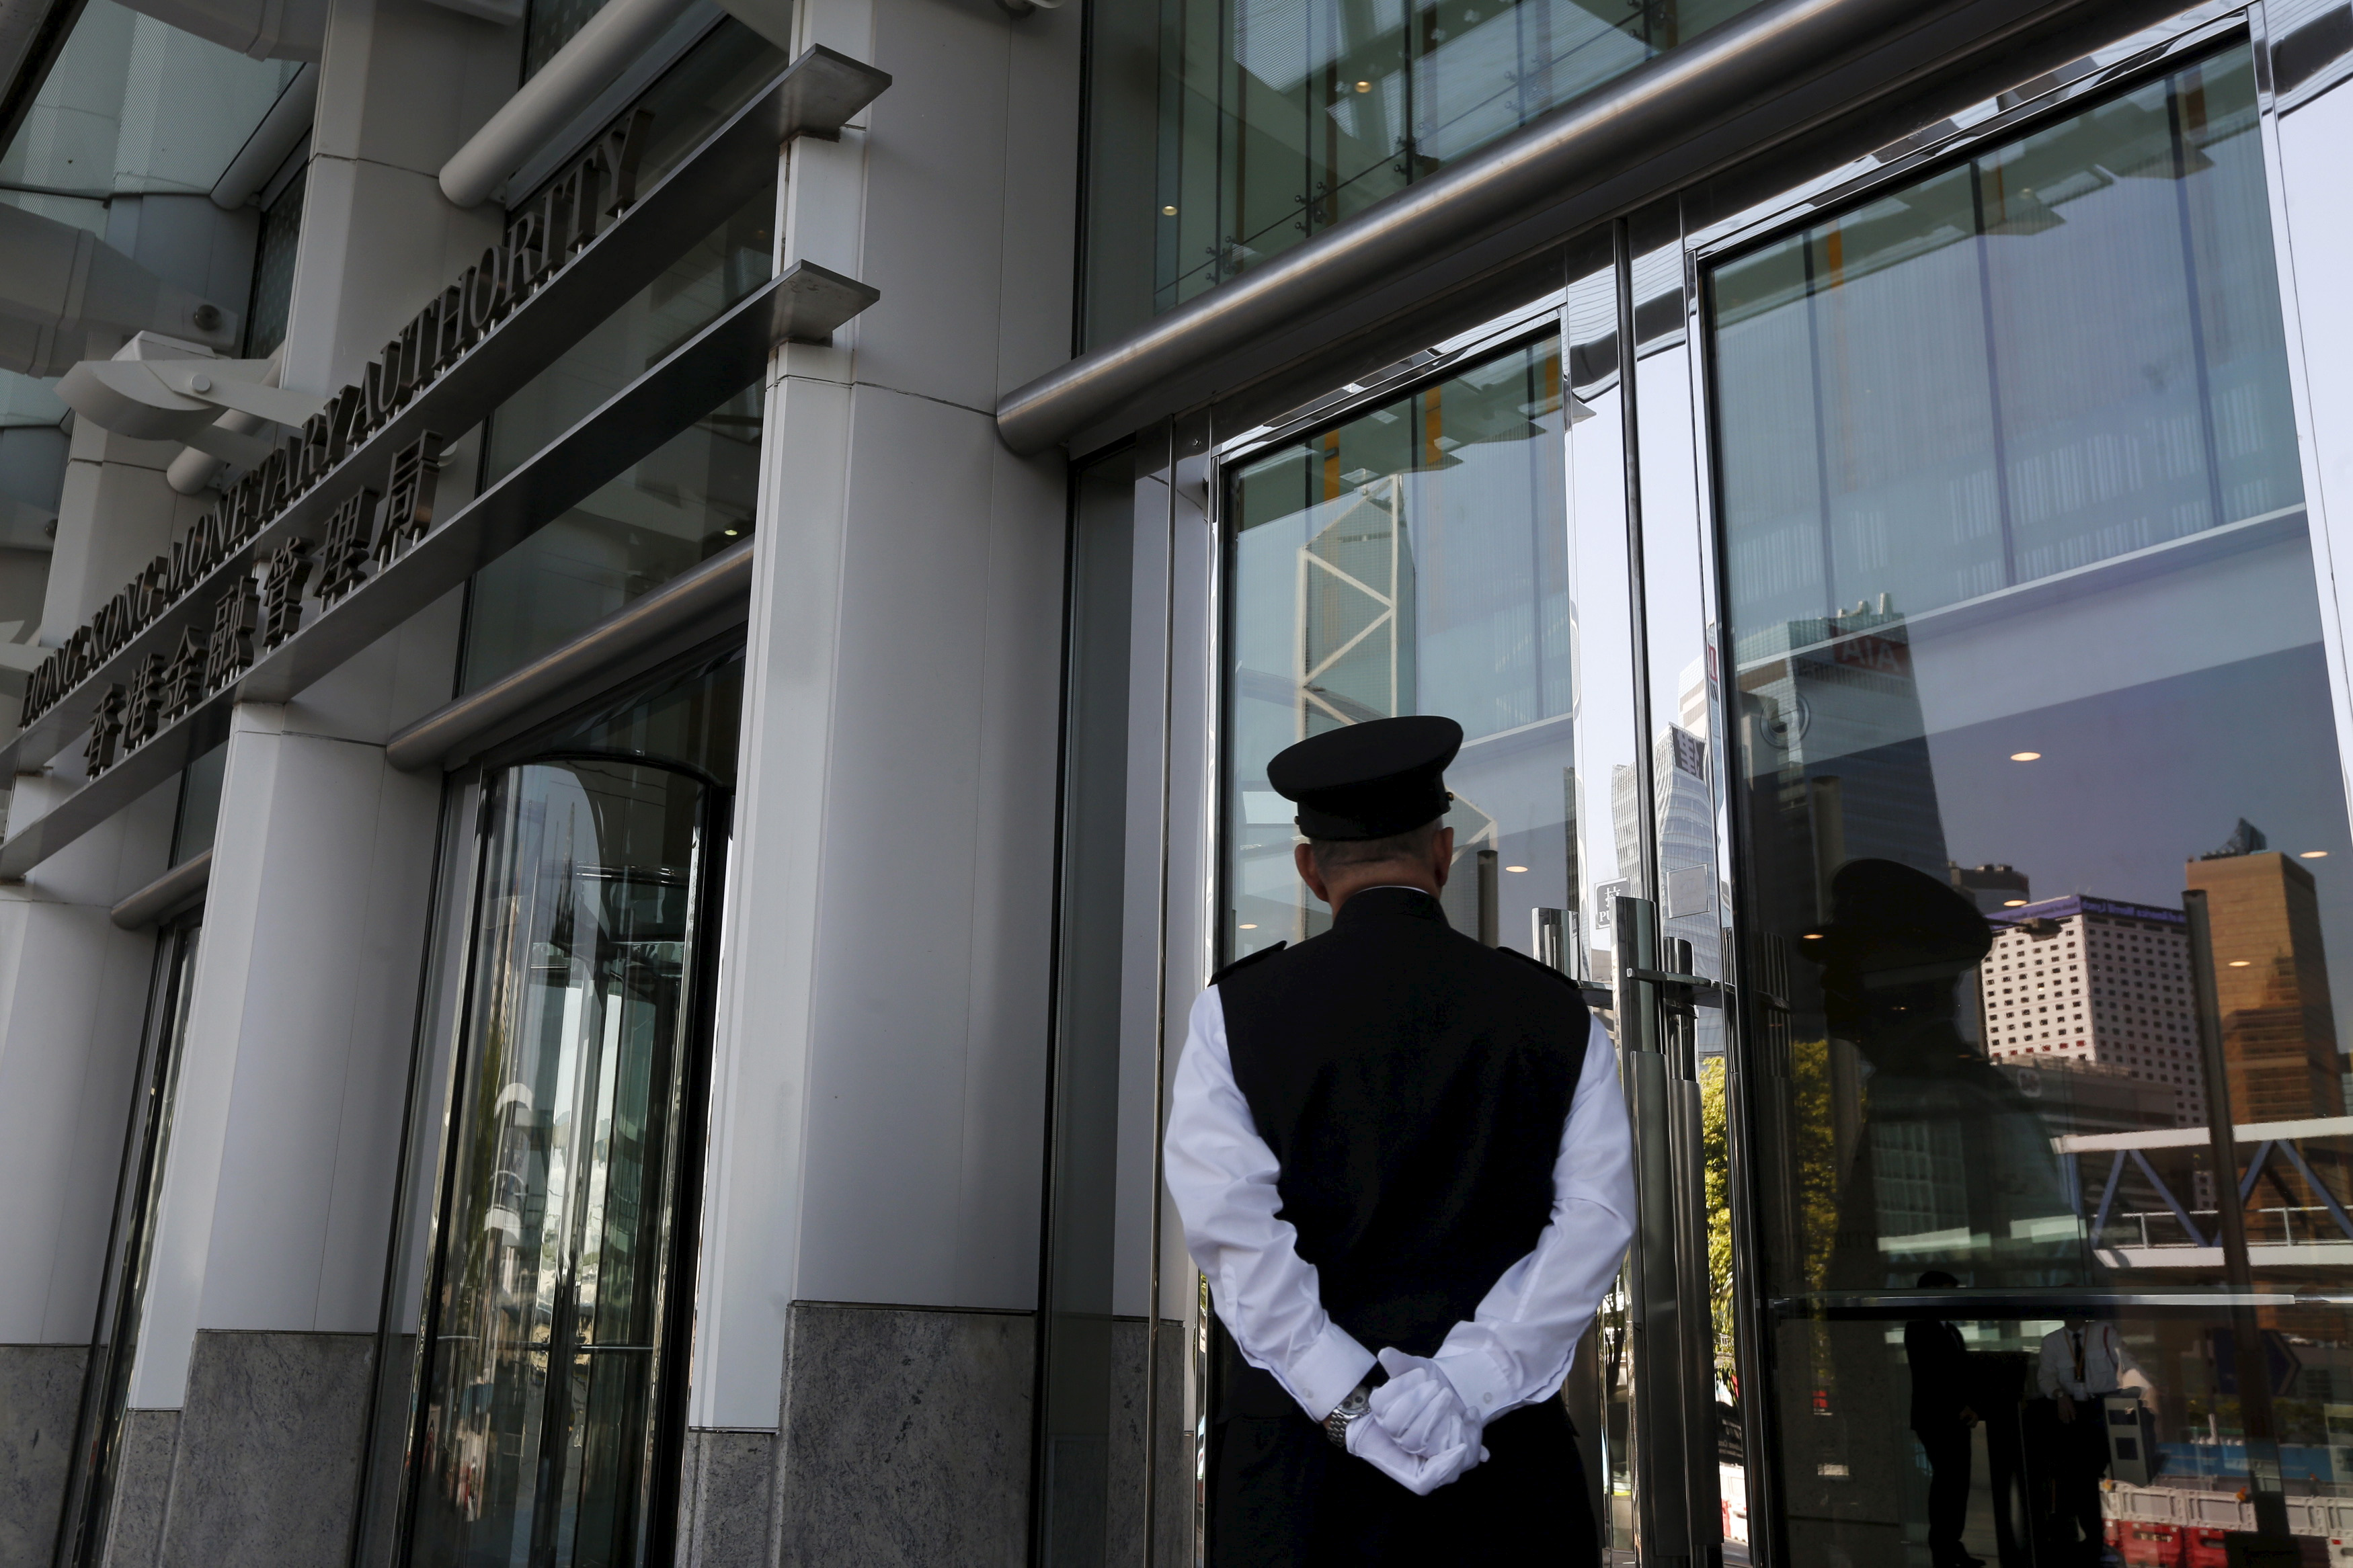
(1993, 888)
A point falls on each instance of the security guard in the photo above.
(1403, 1162)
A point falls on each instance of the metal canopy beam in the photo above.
(715, 180)
(168, 894)
(1762, 79)
(689, 609)
(713, 366)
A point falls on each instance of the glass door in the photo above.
(549, 1369)
(1415, 558)
(2040, 853)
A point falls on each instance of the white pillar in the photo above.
(879, 1086)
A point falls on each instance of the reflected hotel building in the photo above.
(639, 641)
(2095, 981)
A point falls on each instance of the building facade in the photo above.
(643, 638)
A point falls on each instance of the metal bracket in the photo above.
(825, 90)
(810, 301)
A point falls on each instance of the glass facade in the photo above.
(1930, 647)
(2039, 797)
(548, 25)
(694, 496)
(1224, 132)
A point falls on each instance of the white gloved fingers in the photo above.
(1428, 1425)
(1371, 1442)
(1420, 1412)
(1425, 1414)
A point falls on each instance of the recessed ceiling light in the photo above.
(2240, 962)
(1515, 868)
(2013, 903)
(1250, 927)
(2025, 756)
(2314, 854)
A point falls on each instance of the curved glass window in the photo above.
(548, 1364)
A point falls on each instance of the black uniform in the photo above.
(1413, 1085)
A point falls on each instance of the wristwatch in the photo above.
(1347, 1412)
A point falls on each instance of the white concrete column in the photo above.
(72, 986)
(878, 1101)
(277, 1189)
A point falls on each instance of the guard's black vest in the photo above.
(1413, 1084)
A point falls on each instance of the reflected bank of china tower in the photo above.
(640, 640)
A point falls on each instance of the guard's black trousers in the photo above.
(1280, 1496)
(1948, 1491)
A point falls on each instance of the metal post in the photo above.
(1661, 1456)
(2256, 1421)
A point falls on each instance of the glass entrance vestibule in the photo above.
(1901, 604)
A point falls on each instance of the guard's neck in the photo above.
(1383, 877)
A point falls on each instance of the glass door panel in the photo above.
(549, 1341)
(2042, 852)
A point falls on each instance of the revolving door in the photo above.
(550, 1363)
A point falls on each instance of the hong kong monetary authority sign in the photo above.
(371, 527)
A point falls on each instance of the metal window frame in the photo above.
(2148, 52)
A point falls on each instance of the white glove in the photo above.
(1419, 1408)
(1370, 1441)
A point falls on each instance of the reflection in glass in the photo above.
(2027, 656)
(678, 506)
(682, 504)
(1224, 133)
(1412, 561)
(123, 1292)
(549, 1338)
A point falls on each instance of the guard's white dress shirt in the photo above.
(1516, 1348)
(2085, 1363)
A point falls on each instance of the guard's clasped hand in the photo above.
(1420, 1433)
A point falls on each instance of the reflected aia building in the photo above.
(2271, 981)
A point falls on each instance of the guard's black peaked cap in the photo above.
(1370, 780)
(1886, 916)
